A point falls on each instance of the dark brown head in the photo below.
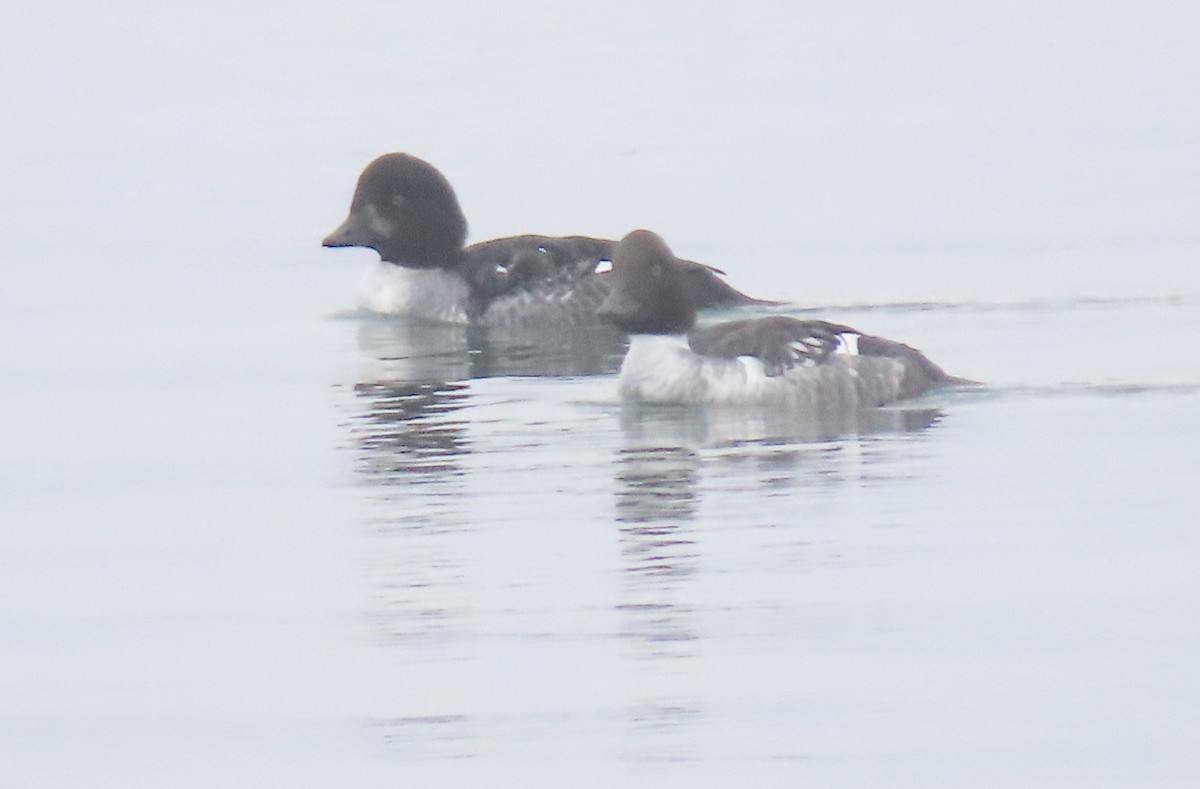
(650, 293)
(405, 210)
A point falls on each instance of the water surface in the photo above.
(251, 537)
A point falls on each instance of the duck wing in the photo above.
(551, 267)
(780, 342)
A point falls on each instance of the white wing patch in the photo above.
(807, 352)
(815, 348)
(603, 267)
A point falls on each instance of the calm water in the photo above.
(251, 538)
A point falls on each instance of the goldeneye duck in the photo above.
(406, 210)
(810, 364)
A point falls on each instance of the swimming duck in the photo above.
(406, 210)
(811, 364)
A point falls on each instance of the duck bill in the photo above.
(351, 233)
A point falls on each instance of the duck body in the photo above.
(407, 211)
(777, 360)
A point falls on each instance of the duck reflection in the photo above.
(408, 431)
(415, 421)
(409, 441)
(413, 386)
(667, 450)
(668, 455)
(656, 501)
(419, 351)
(410, 423)
(758, 452)
(711, 427)
(656, 484)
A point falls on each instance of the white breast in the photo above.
(431, 294)
(662, 369)
(655, 368)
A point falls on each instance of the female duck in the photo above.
(810, 364)
(405, 209)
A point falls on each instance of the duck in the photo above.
(775, 360)
(405, 209)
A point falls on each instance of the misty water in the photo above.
(250, 536)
